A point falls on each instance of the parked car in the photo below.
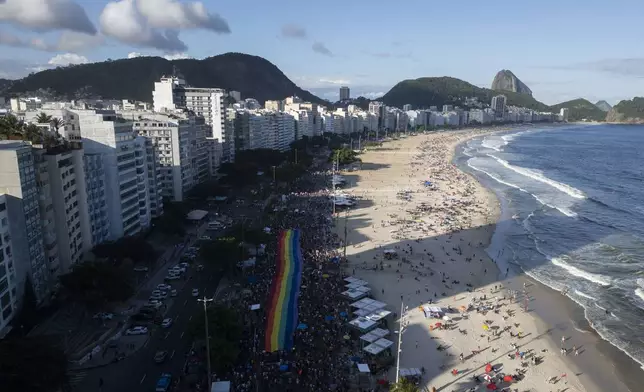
(137, 331)
(163, 384)
(166, 323)
(103, 316)
(200, 267)
(155, 302)
(141, 269)
(184, 265)
(205, 238)
(163, 286)
(173, 293)
(195, 292)
(172, 277)
(160, 356)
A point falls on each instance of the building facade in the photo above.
(345, 93)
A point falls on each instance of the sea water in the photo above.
(572, 203)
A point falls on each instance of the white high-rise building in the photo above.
(180, 148)
(172, 93)
(69, 200)
(22, 254)
(104, 133)
(564, 113)
(98, 229)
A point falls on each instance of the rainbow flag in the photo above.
(285, 290)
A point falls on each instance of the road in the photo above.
(139, 372)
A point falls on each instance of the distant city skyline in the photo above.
(562, 51)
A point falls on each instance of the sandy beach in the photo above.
(439, 232)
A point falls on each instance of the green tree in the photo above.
(43, 118)
(223, 253)
(135, 248)
(344, 156)
(225, 330)
(33, 364)
(404, 385)
(10, 126)
(96, 283)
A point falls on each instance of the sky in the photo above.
(563, 49)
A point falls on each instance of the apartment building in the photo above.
(69, 127)
(24, 245)
(97, 229)
(67, 180)
(499, 105)
(8, 281)
(106, 134)
(179, 148)
(275, 106)
(172, 93)
(47, 218)
(304, 123)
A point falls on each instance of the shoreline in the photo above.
(628, 374)
(480, 229)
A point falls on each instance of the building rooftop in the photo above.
(13, 144)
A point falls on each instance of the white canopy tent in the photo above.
(354, 294)
(363, 324)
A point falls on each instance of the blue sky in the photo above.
(561, 49)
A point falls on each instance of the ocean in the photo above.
(572, 201)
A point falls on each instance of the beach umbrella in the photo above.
(485, 327)
(492, 386)
(463, 308)
(446, 318)
(507, 378)
(283, 368)
(325, 276)
(302, 326)
(328, 318)
(343, 314)
(488, 368)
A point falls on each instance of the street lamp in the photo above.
(205, 313)
(400, 332)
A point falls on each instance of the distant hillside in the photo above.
(505, 80)
(4, 84)
(426, 92)
(603, 105)
(253, 76)
(580, 109)
(627, 111)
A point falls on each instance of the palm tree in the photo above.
(404, 385)
(11, 126)
(43, 118)
(32, 133)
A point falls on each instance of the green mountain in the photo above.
(426, 92)
(580, 109)
(253, 76)
(627, 111)
(603, 105)
(4, 84)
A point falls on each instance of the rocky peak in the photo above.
(505, 80)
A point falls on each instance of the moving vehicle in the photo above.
(166, 323)
(160, 356)
(137, 331)
(164, 382)
(163, 286)
(195, 292)
(104, 316)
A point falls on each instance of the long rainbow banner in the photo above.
(285, 290)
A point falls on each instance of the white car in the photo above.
(173, 293)
(183, 265)
(104, 316)
(195, 292)
(172, 277)
(141, 269)
(155, 302)
(137, 331)
(166, 323)
(163, 286)
(205, 238)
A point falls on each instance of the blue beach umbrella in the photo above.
(329, 318)
(302, 326)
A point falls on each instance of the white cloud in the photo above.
(133, 55)
(46, 15)
(67, 59)
(171, 14)
(177, 56)
(156, 23)
(68, 41)
(335, 81)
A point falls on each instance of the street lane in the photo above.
(139, 372)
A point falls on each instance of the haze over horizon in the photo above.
(562, 51)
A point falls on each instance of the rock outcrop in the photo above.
(505, 80)
(603, 105)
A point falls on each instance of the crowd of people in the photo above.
(321, 356)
